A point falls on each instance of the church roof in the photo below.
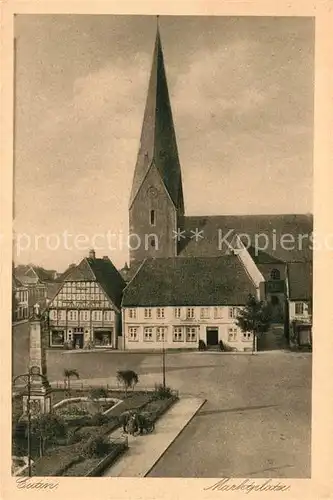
(158, 144)
(215, 228)
(103, 272)
(300, 280)
(189, 282)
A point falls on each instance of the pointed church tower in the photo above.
(156, 203)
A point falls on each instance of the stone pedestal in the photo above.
(38, 389)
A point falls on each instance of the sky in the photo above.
(241, 92)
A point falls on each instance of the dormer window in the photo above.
(152, 218)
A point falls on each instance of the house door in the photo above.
(78, 340)
(212, 336)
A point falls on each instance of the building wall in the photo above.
(82, 314)
(22, 307)
(92, 323)
(221, 318)
(152, 196)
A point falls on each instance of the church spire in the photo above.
(158, 144)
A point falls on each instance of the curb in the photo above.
(176, 436)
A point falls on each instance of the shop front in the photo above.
(103, 337)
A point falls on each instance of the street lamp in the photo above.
(28, 377)
(163, 360)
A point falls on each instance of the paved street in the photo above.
(256, 421)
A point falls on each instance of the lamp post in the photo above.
(163, 361)
(28, 377)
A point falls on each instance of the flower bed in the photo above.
(62, 458)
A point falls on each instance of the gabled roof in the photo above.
(300, 280)
(215, 228)
(158, 139)
(16, 283)
(103, 272)
(189, 282)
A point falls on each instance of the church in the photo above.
(188, 275)
(184, 270)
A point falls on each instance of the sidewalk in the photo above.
(144, 451)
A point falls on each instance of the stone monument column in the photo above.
(38, 388)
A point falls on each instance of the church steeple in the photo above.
(158, 144)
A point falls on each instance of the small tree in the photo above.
(47, 427)
(255, 318)
(68, 374)
(127, 378)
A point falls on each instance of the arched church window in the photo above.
(275, 274)
(152, 218)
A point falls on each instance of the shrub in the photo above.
(96, 446)
(161, 392)
(202, 345)
(98, 393)
(73, 437)
(98, 419)
(221, 346)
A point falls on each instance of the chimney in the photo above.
(105, 257)
(92, 254)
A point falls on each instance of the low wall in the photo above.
(64, 402)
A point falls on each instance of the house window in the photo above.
(178, 335)
(190, 312)
(148, 313)
(72, 315)
(177, 312)
(275, 274)
(61, 315)
(233, 312)
(152, 218)
(148, 334)
(191, 334)
(53, 314)
(218, 312)
(204, 313)
(97, 316)
(133, 334)
(107, 315)
(246, 336)
(160, 333)
(299, 308)
(84, 315)
(160, 312)
(57, 337)
(232, 334)
(132, 313)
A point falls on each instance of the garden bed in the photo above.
(62, 457)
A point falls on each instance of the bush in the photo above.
(161, 392)
(202, 345)
(73, 437)
(96, 446)
(221, 346)
(98, 419)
